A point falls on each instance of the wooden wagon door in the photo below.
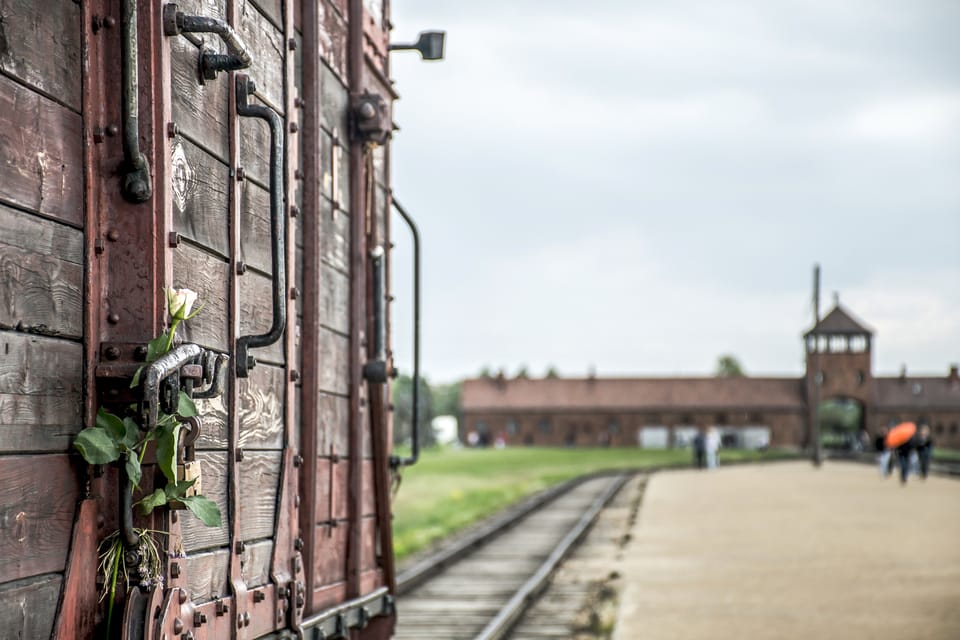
(221, 192)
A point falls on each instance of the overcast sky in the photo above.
(643, 186)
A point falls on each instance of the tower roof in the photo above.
(840, 322)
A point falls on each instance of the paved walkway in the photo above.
(786, 551)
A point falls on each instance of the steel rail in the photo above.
(421, 571)
(511, 612)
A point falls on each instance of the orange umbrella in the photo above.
(900, 434)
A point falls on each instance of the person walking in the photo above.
(712, 447)
(905, 454)
(699, 450)
(883, 452)
(924, 449)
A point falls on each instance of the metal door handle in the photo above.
(375, 370)
(396, 461)
(136, 177)
(278, 227)
(176, 22)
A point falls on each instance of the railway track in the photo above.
(480, 589)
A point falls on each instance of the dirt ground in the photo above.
(786, 551)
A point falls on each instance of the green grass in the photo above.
(449, 489)
(946, 455)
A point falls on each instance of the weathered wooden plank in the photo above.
(334, 424)
(41, 163)
(256, 314)
(255, 149)
(28, 607)
(334, 362)
(334, 299)
(41, 275)
(38, 496)
(259, 479)
(214, 479)
(255, 236)
(330, 557)
(213, 412)
(39, 423)
(200, 185)
(368, 505)
(333, 39)
(77, 614)
(256, 563)
(207, 575)
(341, 168)
(208, 276)
(272, 9)
(40, 392)
(368, 541)
(40, 46)
(330, 595)
(335, 238)
(199, 110)
(37, 365)
(262, 400)
(332, 478)
(268, 47)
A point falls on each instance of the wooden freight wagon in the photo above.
(237, 148)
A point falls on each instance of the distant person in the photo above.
(883, 453)
(924, 450)
(473, 438)
(712, 447)
(906, 452)
(699, 450)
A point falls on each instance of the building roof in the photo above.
(680, 394)
(841, 322)
(917, 393)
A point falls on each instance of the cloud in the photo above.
(910, 119)
(646, 185)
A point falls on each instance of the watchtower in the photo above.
(839, 360)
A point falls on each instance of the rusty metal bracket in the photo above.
(216, 379)
(136, 177)
(375, 370)
(370, 118)
(175, 22)
(396, 461)
(155, 373)
(278, 227)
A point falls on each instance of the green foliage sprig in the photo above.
(113, 438)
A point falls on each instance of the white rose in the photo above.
(180, 302)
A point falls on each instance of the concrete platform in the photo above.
(786, 551)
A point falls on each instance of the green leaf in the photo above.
(185, 407)
(131, 434)
(167, 450)
(176, 490)
(194, 313)
(133, 468)
(96, 446)
(205, 509)
(156, 499)
(112, 424)
(136, 377)
(157, 347)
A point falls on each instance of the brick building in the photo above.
(748, 411)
